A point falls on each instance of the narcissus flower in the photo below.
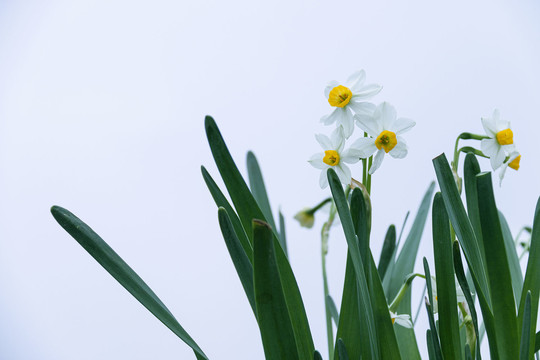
(384, 129)
(334, 157)
(513, 162)
(305, 218)
(348, 98)
(402, 319)
(500, 139)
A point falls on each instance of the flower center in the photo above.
(340, 96)
(514, 164)
(331, 157)
(505, 137)
(386, 140)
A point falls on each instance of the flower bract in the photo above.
(348, 98)
(334, 157)
(384, 130)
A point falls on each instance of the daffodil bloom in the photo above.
(347, 98)
(513, 162)
(383, 129)
(334, 157)
(500, 139)
(402, 319)
(459, 293)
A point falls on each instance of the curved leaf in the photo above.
(106, 257)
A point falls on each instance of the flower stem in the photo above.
(403, 290)
(318, 206)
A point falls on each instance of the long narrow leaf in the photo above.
(317, 355)
(513, 260)
(403, 266)
(258, 189)
(504, 306)
(274, 321)
(365, 311)
(282, 234)
(532, 274)
(462, 226)
(460, 275)
(433, 335)
(388, 249)
(524, 347)
(248, 209)
(239, 258)
(106, 257)
(342, 350)
(332, 308)
(221, 201)
(471, 168)
(446, 286)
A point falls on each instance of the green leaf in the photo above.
(433, 337)
(274, 321)
(332, 308)
(248, 209)
(221, 201)
(388, 249)
(238, 255)
(390, 270)
(463, 229)
(504, 306)
(468, 354)
(532, 274)
(513, 260)
(317, 356)
(537, 342)
(342, 351)
(446, 286)
(258, 189)
(430, 345)
(460, 275)
(369, 345)
(526, 331)
(403, 266)
(282, 234)
(106, 257)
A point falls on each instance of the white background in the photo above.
(101, 111)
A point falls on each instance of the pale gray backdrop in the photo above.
(101, 111)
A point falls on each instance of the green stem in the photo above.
(402, 291)
(318, 206)
(325, 233)
(368, 180)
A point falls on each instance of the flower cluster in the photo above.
(499, 145)
(382, 129)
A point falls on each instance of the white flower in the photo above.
(459, 293)
(402, 319)
(334, 157)
(513, 162)
(501, 137)
(350, 96)
(384, 130)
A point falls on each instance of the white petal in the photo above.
(489, 127)
(332, 117)
(388, 115)
(400, 150)
(496, 115)
(338, 139)
(362, 92)
(489, 147)
(369, 124)
(404, 320)
(501, 173)
(323, 179)
(498, 159)
(347, 121)
(356, 79)
(402, 125)
(366, 146)
(325, 142)
(350, 156)
(377, 161)
(343, 173)
(317, 161)
(332, 84)
(362, 107)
